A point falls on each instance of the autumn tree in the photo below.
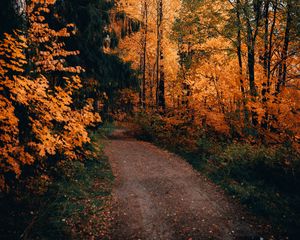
(257, 33)
(153, 49)
(37, 87)
(144, 41)
(229, 65)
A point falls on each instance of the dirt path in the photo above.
(159, 196)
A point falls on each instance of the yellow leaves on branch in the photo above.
(12, 55)
(52, 56)
(54, 125)
(12, 154)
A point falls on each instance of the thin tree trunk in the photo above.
(266, 49)
(271, 43)
(283, 75)
(251, 63)
(144, 54)
(160, 75)
(251, 41)
(266, 36)
(251, 57)
(240, 60)
(157, 52)
(239, 46)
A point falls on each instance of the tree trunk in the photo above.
(145, 54)
(252, 33)
(160, 75)
(251, 58)
(271, 43)
(284, 55)
(251, 65)
(20, 7)
(239, 45)
(266, 36)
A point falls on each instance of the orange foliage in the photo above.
(203, 74)
(53, 125)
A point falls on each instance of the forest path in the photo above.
(157, 195)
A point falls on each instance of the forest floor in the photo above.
(75, 205)
(158, 195)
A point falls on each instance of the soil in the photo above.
(157, 195)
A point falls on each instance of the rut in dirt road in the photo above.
(157, 195)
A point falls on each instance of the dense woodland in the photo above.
(229, 65)
(218, 81)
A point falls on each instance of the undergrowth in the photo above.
(75, 206)
(264, 178)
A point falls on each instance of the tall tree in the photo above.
(160, 74)
(285, 49)
(144, 39)
(253, 15)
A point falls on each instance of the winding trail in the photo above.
(157, 195)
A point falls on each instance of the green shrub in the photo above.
(245, 162)
(266, 179)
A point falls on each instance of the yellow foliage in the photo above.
(53, 125)
(206, 65)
